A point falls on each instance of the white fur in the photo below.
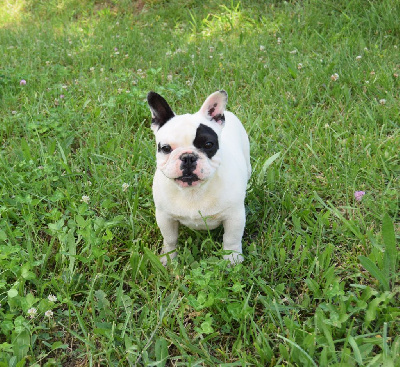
(218, 198)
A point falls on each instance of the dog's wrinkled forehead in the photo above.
(185, 130)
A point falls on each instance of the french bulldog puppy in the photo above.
(203, 165)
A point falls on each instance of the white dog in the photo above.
(203, 165)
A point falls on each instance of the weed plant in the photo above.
(316, 84)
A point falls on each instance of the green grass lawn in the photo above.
(316, 85)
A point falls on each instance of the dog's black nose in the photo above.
(188, 159)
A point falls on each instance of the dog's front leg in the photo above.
(233, 233)
(169, 230)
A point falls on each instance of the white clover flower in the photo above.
(299, 65)
(262, 48)
(32, 312)
(85, 199)
(382, 101)
(358, 58)
(335, 77)
(49, 314)
(125, 186)
(52, 298)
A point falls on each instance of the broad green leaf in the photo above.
(155, 262)
(161, 350)
(374, 271)
(265, 166)
(12, 293)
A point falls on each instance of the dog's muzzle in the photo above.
(188, 165)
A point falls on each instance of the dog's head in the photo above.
(188, 146)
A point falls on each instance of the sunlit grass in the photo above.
(316, 86)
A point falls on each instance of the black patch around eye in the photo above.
(204, 135)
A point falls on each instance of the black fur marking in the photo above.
(212, 109)
(160, 108)
(204, 135)
(219, 117)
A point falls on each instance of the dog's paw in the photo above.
(164, 258)
(234, 258)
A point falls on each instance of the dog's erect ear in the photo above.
(214, 106)
(160, 110)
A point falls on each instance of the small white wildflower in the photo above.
(335, 77)
(52, 298)
(365, 48)
(279, 40)
(125, 186)
(262, 48)
(299, 65)
(32, 312)
(188, 82)
(119, 90)
(85, 199)
(49, 314)
(358, 58)
(169, 77)
(382, 101)
(293, 52)
(367, 82)
(211, 49)
(14, 112)
(92, 68)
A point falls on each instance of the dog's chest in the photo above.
(200, 222)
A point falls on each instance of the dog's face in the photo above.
(188, 146)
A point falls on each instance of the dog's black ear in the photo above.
(160, 110)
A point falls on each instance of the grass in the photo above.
(319, 285)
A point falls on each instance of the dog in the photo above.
(203, 166)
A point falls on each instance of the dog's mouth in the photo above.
(188, 179)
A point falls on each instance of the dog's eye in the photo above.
(166, 149)
(208, 145)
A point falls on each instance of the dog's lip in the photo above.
(188, 178)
